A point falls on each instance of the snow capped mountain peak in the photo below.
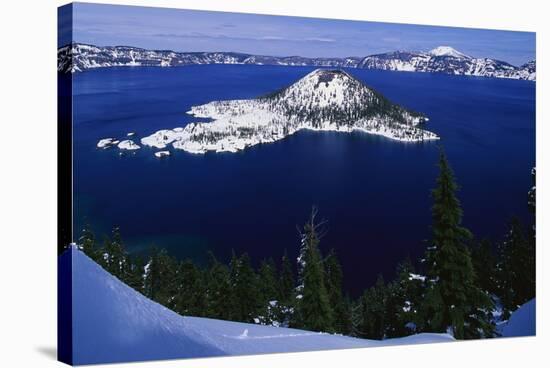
(448, 51)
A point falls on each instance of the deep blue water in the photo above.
(374, 192)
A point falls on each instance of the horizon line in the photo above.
(285, 56)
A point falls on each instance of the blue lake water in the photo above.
(374, 192)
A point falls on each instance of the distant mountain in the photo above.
(111, 322)
(325, 99)
(447, 51)
(447, 60)
(531, 69)
(78, 57)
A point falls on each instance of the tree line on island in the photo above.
(461, 286)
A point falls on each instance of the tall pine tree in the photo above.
(516, 269)
(136, 273)
(218, 290)
(372, 310)
(245, 294)
(484, 263)
(160, 276)
(287, 296)
(189, 298)
(454, 302)
(334, 283)
(532, 202)
(87, 242)
(269, 293)
(314, 310)
(286, 280)
(114, 256)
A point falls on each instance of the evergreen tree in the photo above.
(286, 284)
(516, 269)
(245, 295)
(532, 204)
(160, 275)
(372, 323)
(115, 259)
(87, 242)
(218, 290)
(136, 272)
(404, 301)
(334, 284)
(454, 302)
(268, 280)
(269, 293)
(189, 298)
(532, 201)
(111, 256)
(484, 263)
(287, 295)
(314, 310)
(347, 323)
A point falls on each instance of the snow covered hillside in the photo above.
(323, 100)
(78, 57)
(445, 59)
(114, 323)
(522, 322)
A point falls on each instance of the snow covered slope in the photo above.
(522, 322)
(78, 57)
(114, 323)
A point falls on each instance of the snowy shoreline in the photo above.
(179, 138)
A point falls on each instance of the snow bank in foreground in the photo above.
(522, 322)
(114, 323)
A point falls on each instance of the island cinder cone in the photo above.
(335, 96)
(323, 100)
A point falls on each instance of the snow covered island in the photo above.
(107, 142)
(128, 144)
(323, 100)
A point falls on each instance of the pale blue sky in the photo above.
(187, 30)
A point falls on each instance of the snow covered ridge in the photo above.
(78, 57)
(115, 323)
(445, 59)
(323, 100)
